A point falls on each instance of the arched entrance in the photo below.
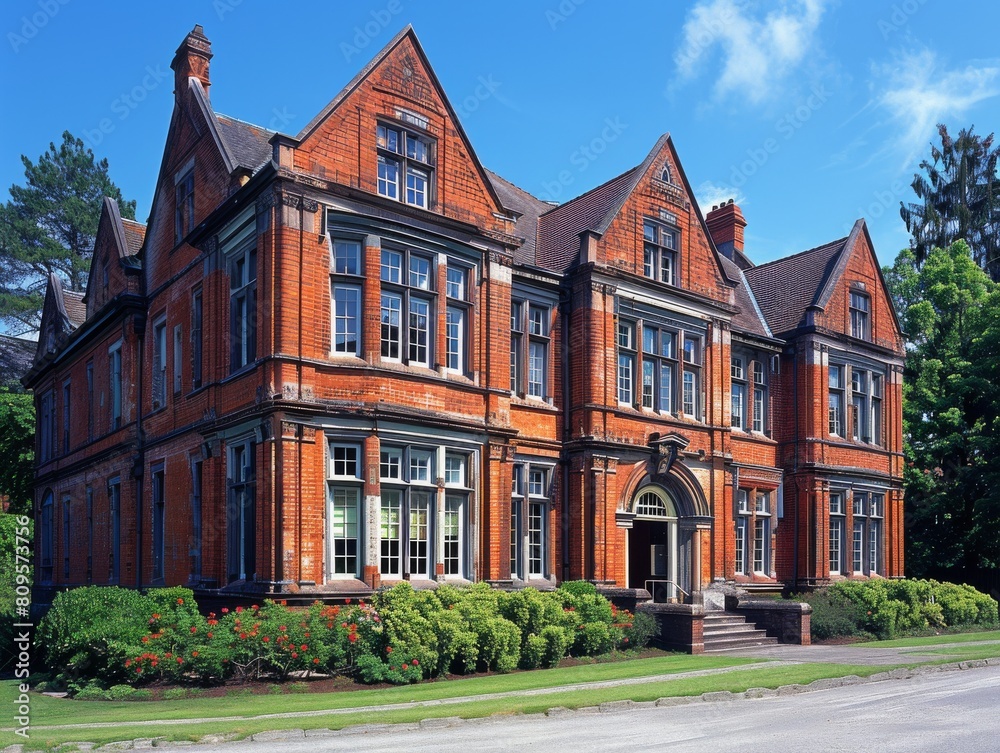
(655, 546)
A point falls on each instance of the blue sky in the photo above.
(810, 113)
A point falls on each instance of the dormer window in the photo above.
(405, 165)
(184, 206)
(860, 309)
(659, 252)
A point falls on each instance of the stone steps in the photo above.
(725, 631)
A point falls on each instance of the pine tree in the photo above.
(49, 225)
(959, 199)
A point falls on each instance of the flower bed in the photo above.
(99, 637)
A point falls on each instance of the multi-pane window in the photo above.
(158, 520)
(345, 295)
(838, 524)
(737, 372)
(407, 290)
(762, 533)
(159, 388)
(115, 384)
(90, 401)
(184, 206)
(759, 397)
(456, 319)
(90, 534)
(742, 524)
(868, 512)
(875, 404)
(405, 164)
(860, 311)
(343, 516)
(66, 504)
(626, 363)
(659, 252)
(241, 511)
(659, 367)
(47, 539)
(114, 528)
(408, 493)
(243, 308)
(453, 523)
(197, 314)
(529, 521)
(529, 348)
(67, 407)
(691, 386)
(196, 515)
(178, 357)
(46, 426)
(836, 401)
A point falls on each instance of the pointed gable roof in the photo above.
(248, 144)
(62, 312)
(787, 288)
(405, 34)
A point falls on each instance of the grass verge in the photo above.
(933, 640)
(767, 677)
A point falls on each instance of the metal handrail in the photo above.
(652, 592)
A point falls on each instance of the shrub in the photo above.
(833, 615)
(499, 643)
(92, 692)
(126, 693)
(643, 629)
(593, 638)
(90, 632)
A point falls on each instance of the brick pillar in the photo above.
(371, 511)
(371, 303)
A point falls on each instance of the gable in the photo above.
(399, 89)
(117, 241)
(859, 271)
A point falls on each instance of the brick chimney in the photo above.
(192, 60)
(725, 223)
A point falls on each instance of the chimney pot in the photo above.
(725, 223)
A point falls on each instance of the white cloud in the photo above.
(918, 92)
(709, 194)
(758, 54)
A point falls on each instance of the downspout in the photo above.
(298, 369)
(795, 467)
(564, 461)
(139, 462)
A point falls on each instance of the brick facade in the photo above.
(354, 356)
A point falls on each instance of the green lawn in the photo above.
(736, 682)
(934, 640)
(961, 653)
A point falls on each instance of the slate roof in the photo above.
(247, 143)
(785, 288)
(135, 233)
(76, 309)
(750, 319)
(528, 207)
(559, 229)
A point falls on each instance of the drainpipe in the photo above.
(139, 462)
(795, 467)
(564, 306)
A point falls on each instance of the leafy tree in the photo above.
(950, 425)
(49, 225)
(959, 199)
(17, 442)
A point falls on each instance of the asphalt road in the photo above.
(950, 712)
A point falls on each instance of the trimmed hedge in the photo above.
(889, 608)
(95, 637)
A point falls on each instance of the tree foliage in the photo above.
(49, 225)
(959, 199)
(948, 305)
(17, 443)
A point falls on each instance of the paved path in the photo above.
(853, 654)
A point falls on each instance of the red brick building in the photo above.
(355, 356)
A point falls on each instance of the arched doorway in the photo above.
(654, 547)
